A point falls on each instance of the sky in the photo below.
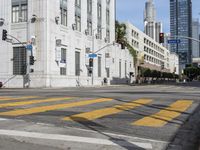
(133, 11)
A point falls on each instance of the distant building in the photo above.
(195, 35)
(181, 25)
(151, 27)
(151, 54)
(166, 44)
(174, 63)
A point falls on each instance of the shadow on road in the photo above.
(188, 135)
(118, 141)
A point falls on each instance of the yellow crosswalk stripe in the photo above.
(107, 111)
(164, 116)
(17, 98)
(22, 103)
(53, 107)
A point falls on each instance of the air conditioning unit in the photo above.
(87, 50)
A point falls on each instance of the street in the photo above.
(151, 117)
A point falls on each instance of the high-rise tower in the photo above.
(151, 27)
(181, 25)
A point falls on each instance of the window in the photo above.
(108, 72)
(108, 1)
(120, 68)
(15, 14)
(99, 11)
(77, 63)
(108, 35)
(78, 22)
(63, 10)
(63, 55)
(99, 32)
(19, 11)
(89, 6)
(63, 70)
(89, 27)
(99, 66)
(78, 3)
(107, 17)
(19, 61)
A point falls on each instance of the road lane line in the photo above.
(88, 116)
(34, 102)
(3, 119)
(69, 138)
(40, 109)
(17, 98)
(164, 116)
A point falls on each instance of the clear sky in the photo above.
(133, 10)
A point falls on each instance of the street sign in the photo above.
(92, 55)
(29, 47)
(174, 41)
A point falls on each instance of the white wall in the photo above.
(46, 68)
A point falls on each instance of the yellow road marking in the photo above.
(52, 107)
(107, 111)
(33, 102)
(164, 116)
(17, 98)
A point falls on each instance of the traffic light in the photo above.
(161, 38)
(4, 35)
(91, 62)
(32, 60)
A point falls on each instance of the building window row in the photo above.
(20, 11)
(135, 43)
(152, 59)
(135, 34)
(154, 53)
(152, 45)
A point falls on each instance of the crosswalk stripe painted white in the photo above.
(3, 119)
(60, 137)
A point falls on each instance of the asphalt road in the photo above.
(156, 117)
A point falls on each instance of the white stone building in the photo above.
(154, 54)
(174, 63)
(63, 33)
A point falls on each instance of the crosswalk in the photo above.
(14, 106)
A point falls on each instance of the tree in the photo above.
(120, 33)
(191, 72)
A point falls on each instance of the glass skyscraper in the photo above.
(181, 25)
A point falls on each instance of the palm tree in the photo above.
(120, 33)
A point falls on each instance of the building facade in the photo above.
(174, 63)
(151, 27)
(195, 35)
(63, 33)
(151, 54)
(181, 25)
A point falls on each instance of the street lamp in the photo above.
(94, 51)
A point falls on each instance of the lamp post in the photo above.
(93, 51)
